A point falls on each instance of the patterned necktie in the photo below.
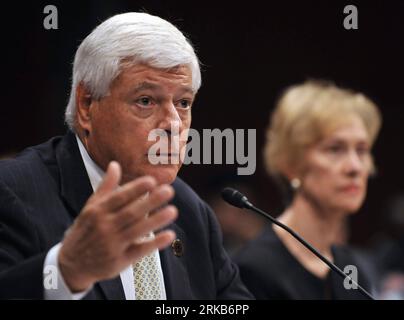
(147, 278)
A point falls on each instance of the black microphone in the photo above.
(237, 199)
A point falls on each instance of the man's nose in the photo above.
(170, 120)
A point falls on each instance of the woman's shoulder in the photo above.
(264, 252)
(353, 262)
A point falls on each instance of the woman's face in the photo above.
(337, 168)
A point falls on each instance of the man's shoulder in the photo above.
(30, 164)
(184, 191)
(187, 199)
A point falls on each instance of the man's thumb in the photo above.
(111, 179)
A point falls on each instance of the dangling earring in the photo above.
(295, 183)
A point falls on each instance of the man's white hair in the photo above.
(135, 38)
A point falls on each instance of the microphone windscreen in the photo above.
(234, 197)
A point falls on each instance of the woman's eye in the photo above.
(362, 150)
(335, 149)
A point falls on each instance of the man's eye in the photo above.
(144, 102)
(183, 103)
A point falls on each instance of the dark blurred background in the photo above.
(250, 52)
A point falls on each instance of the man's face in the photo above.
(141, 99)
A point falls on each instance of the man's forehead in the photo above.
(128, 67)
(144, 77)
(146, 73)
(157, 86)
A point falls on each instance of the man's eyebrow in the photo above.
(151, 86)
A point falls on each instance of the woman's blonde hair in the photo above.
(305, 114)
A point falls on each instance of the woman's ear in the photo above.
(293, 175)
(84, 102)
(289, 172)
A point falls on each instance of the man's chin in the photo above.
(165, 178)
(164, 174)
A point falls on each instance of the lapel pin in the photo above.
(178, 247)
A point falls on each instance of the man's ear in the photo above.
(84, 101)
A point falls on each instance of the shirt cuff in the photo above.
(55, 287)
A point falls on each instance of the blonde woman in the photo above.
(319, 143)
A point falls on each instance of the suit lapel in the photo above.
(113, 289)
(174, 269)
(75, 190)
(74, 182)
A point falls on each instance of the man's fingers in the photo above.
(111, 179)
(157, 198)
(128, 193)
(139, 209)
(141, 228)
(161, 241)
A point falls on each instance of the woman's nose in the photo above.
(354, 163)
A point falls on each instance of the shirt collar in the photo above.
(94, 172)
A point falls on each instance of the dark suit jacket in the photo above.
(270, 271)
(44, 188)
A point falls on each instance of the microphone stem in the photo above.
(249, 205)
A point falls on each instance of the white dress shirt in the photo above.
(62, 292)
